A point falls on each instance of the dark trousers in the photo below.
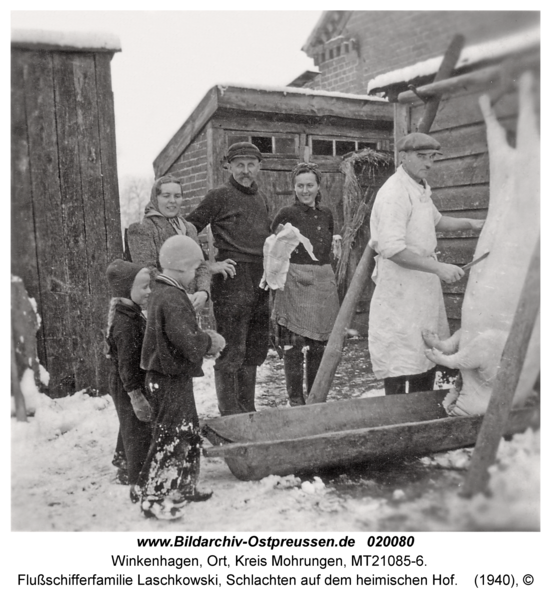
(134, 435)
(241, 310)
(422, 382)
(172, 463)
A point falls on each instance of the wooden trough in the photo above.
(309, 438)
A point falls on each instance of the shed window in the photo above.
(322, 147)
(285, 145)
(343, 147)
(364, 145)
(338, 147)
(263, 143)
(267, 144)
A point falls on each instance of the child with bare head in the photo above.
(173, 350)
(130, 286)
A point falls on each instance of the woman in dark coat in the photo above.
(306, 308)
(130, 286)
(162, 220)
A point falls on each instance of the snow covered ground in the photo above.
(63, 480)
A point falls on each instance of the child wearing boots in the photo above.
(173, 350)
(125, 333)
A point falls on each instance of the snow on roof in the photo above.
(66, 39)
(291, 90)
(519, 42)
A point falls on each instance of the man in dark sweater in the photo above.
(238, 215)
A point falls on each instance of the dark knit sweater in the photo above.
(173, 343)
(239, 220)
(125, 339)
(314, 223)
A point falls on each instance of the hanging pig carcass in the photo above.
(510, 234)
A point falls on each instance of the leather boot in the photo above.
(313, 360)
(294, 373)
(225, 383)
(246, 382)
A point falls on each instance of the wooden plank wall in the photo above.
(460, 178)
(65, 206)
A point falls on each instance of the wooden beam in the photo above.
(446, 69)
(90, 365)
(53, 276)
(108, 148)
(402, 126)
(73, 226)
(46, 47)
(295, 103)
(24, 260)
(510, 368)
(468, 81)
(338, 128)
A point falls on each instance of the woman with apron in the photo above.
(306, 308)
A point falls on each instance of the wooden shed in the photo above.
(460, 178)
(65, 215)
(288, 125)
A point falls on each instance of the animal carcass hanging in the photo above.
(509, 234)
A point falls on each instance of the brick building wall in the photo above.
(387, 40)
(191, 169)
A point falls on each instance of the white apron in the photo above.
(406, 302)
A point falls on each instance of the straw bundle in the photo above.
(369, 167)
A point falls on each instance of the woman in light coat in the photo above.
(162, 220)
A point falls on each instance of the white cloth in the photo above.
(405, 301)
(277, 254)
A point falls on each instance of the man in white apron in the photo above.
(408, 294)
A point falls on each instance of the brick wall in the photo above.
(341, 74)
(389, 40)
(191, 169)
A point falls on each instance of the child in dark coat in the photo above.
(173, 350)
(130, 286)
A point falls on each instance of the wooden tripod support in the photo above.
(510, 367)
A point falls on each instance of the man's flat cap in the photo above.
(240, 149)
(418, 142)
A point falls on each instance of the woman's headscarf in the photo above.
(152, 207)
(305, 167)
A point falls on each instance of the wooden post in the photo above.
(333, 351)
(20, 408)
(505, 386)
(446, 69)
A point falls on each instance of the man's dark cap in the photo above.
(240, 149)
(418, 142)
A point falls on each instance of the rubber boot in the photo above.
(313, 360)
(246, 382)
(424, 382)
(294, 373)
(225, 383)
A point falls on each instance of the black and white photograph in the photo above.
(275, 271)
